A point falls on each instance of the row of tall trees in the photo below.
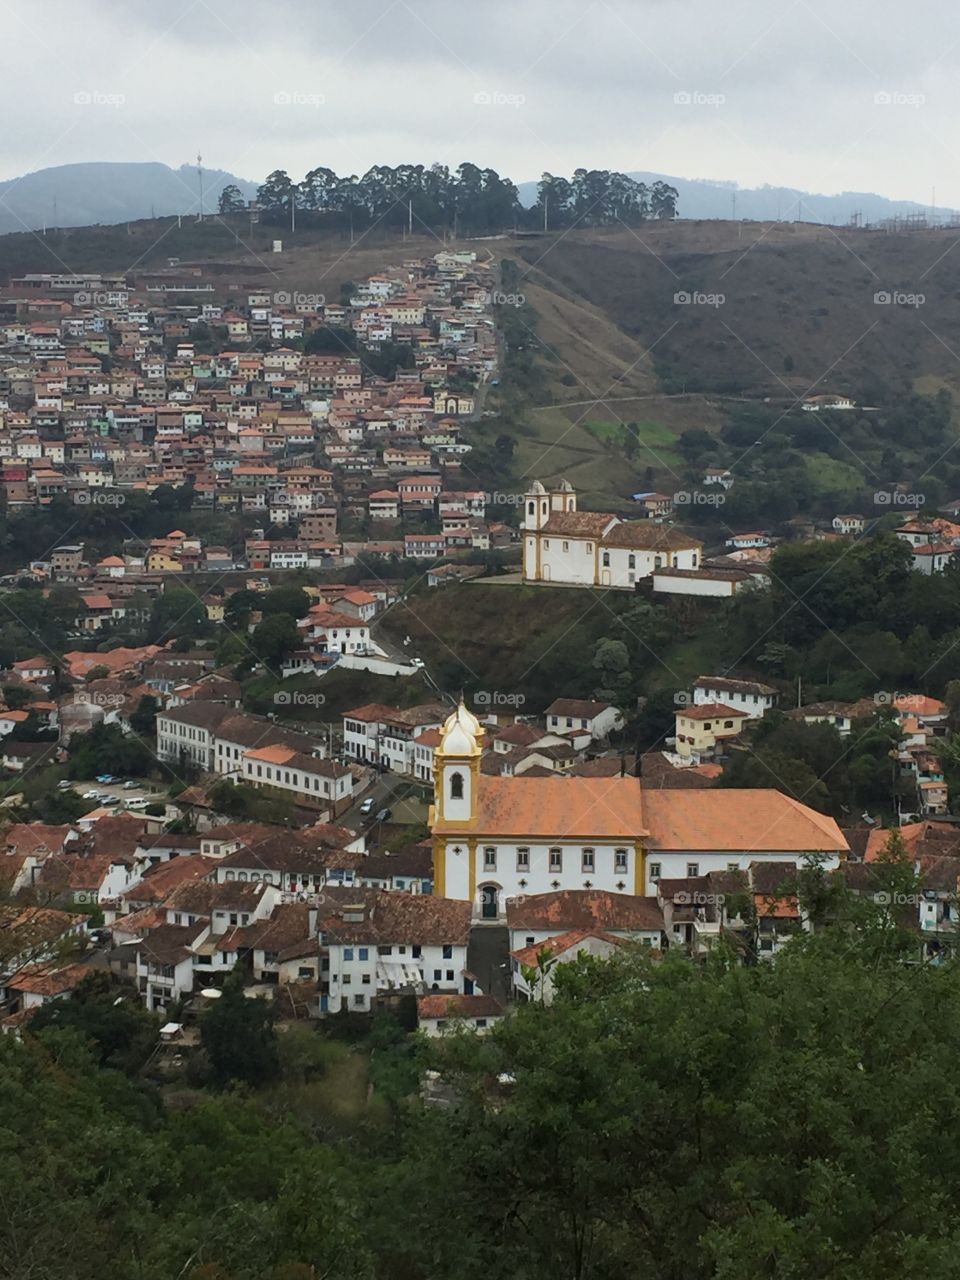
(594, 197)
(467, 199)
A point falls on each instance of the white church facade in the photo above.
(496, 837)
(594, 548)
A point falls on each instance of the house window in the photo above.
(606, 559)
(347, 979)
(556, 859)
(449, 975)
(654, 870)
(728, 724)
(489, 859)
(523, 859)
(733, 866)
(693, 868)
(437, 975)
(359, 1000)
(348, 953)
(631, 562)
(448, 952)
(566, 546)
(364, 953)
(620, 860)
(587, 861)
(456, 786)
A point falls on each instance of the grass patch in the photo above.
(831, 475)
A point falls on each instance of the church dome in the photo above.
(461, 732)
(466, 718)
(537, 488)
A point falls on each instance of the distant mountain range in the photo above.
(704, 198)
(78, 195)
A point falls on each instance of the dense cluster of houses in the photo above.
(108, 386)
(710, 721)
(537, 828)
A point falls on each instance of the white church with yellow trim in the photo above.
(595, 548)
(498, 837)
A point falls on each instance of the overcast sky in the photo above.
(824, 96)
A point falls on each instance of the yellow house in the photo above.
(700, 728)
(160, 562)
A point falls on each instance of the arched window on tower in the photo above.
(456, 786)
(531, 508)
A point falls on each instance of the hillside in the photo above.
(791, 296)
(707, 198)
(77, 195)
(779, 312)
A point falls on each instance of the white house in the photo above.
(849, 524)
(378, 734)
(599, 719)
(381, 942)
(439, 1015)
(749, 696)
(533, 968)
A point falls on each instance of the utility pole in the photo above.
(546, 205)
(293, 211)
(200, 176)
(410, 217)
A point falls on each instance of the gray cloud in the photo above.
(795, 93)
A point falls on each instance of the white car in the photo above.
(138, 802)
(91, 795)
(131, 784)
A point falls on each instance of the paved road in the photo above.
(407, 810)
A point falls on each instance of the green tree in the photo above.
(238, 1036)
(275, 638)
(231, 200)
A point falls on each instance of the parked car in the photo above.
(367, 806)
(131, 784)
(64, 784)
(138, 802)
(91, 795)
(105, 778)
(384, 815)
(109, 801)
